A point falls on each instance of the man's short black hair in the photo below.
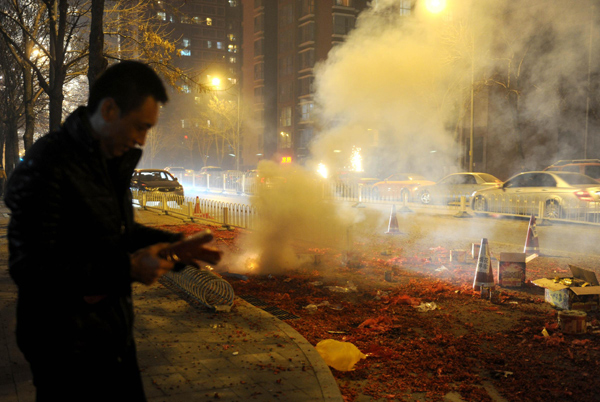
(129, 83)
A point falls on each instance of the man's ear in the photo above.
(109, 109)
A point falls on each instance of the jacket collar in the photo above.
(78, 127)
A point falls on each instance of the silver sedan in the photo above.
(450, 188)
(554, 194)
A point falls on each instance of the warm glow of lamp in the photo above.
(216, 81)
(435, 6)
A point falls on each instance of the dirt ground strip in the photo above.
(426, 333)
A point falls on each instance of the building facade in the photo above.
(207, 35)
(283, 39)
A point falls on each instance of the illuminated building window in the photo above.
(285, 140)
(209, 21)
(162, 15)
(186, 89)
(233, 3)
(285, 117)
(209, 44)
(186, 52)
(232, 48)
(231, 37)
(232, 60)
(305, 111)
(219, 45)
(185, 42)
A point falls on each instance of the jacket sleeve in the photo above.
(143, 236)
(47, 251)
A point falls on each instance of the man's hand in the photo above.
(146, 265)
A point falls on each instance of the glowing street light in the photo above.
(435, 6)
(216, 83)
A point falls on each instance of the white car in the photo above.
(452, 187)
(562, 194)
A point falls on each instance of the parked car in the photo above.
(212, 175)
(398, 186)
(588, 167)
(175, 169)
(211, 170)
(156, 180)
(182, 174)
(562, 193)
(450, 188)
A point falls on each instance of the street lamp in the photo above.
(436, 7)
(216, 84)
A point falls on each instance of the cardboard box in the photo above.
(511, 270)
(582, 294)
(459, 256)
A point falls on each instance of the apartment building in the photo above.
(207, 34)
(283, 39)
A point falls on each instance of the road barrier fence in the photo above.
(246, 216)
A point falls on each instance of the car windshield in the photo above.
(575, 179)
(488, 178)
(156, 176)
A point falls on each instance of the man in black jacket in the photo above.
(75, 248)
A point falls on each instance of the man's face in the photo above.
(129, 131)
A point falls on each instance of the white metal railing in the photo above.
(568, 210)
(246, 216)
(226, 213)
(237, 183)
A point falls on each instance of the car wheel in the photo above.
(425, 197)
(479, 205)
(552, 210)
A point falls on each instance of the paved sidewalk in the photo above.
(190, 354)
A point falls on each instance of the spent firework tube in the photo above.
(191, 250)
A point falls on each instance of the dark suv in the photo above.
(588, 167)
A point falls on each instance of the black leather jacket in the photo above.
(70, 234)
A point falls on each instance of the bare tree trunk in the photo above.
(97, 61)
(11, 155)
(56, 80)
(2, 141)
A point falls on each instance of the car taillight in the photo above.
(143, 184)
(584, 195)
